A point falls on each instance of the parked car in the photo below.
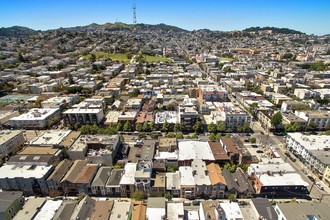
(260, 151)
(254, 146)
(293, 159)
(304, 171)
(311, 178)
(319, 186)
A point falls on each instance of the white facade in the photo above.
(35, 118)
(312, 149)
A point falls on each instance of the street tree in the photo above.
(276, 120)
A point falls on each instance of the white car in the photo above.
(319, 186)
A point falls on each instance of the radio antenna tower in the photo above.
(134, 13)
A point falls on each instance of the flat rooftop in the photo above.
(36, 114)
(189, 150)
(39, 150)
(50, 137)
(25, 171)
(129, 174)
(48, 210)
(286, 179)
(30, 208)
(6, 135)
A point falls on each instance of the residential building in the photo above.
(142, 176)
(29, 179)
(237, 183)
(139, 211)
(175, 210)
(173, 183)
(219, 153)
(188, 116)
(231, 149)
(312, 150)
(83, 116)
(112, 185)
(218, 182)
(187, 181)
(170, 117)
(202, 180)
(11, 203)
(121, 211)
(11, 141)
(156, 208)
(167, 144)
(191, 150)
(127, 182)
(158, 186)
(212, 93)
(320, 118)
(100, 180)
(36, 118)
(231, 210)
(302, 211)
(263, 209)
(280, 185)
(54, 180)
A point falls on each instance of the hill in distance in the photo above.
(273, 29)
(17, 31)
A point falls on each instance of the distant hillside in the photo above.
(119, 25)
(162, 26)
(17, 31)
(274, 29)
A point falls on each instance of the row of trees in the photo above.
(213, 128)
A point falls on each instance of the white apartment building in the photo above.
(320, 118)
(312, 150)
(36, 118)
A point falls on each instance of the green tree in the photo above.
(228, 136)
(197, 127)
(232, 197)
(168, 196)
(166, 126)
(170, 135)
(276, 120)
(253, 140)
(138, 195)
(135, 93)
(138, 127)
(145, 126)
(221, 127)
(127, 126)
(177, 128)
(212, 128)
(311, 126)
(119, 127)
(212, 137)
(152, 126)
(179, 135)
(194, 136)
(218, 136)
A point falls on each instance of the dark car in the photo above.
(293, 159)
(254, 146)
(311, 178)
(260, 151)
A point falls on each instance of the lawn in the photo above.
(226, 59)
(121, 57)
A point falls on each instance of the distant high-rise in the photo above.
(134, 13)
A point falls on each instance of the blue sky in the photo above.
(306, 16)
